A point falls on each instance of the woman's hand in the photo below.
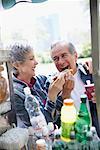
(56, 86)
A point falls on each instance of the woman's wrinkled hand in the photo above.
(56, 86)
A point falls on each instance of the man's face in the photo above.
(63, 59)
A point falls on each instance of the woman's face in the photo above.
(27, 68)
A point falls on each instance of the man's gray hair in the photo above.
(71, 48)
(69, 45)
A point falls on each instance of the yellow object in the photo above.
(68, 118)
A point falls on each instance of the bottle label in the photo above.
(66, 129)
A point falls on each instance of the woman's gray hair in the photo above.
(69, 45)
(18, 52)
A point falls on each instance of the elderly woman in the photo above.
(24, 64)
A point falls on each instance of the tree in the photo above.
(87, 52)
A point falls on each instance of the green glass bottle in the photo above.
(83, 121)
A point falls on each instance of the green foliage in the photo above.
(87, 52)
(44, 57)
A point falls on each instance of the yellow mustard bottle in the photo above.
(68, 119)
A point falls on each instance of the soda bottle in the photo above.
(37, 118)
(68, 118)
(83, 121)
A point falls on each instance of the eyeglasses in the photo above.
(57, 58)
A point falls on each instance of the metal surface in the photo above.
(95, 40)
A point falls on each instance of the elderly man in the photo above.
(64, 56)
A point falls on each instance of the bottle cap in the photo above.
(27, 90)
(41, 142)
(68, 102)
(93, 130)
(57, 133)
(50, 126)
(83, 98)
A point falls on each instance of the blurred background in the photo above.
(41, 24)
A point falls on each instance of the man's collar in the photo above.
(81, 68)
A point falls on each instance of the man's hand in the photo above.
(68, 87)
(88, 65)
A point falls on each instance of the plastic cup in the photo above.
(89, 90)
